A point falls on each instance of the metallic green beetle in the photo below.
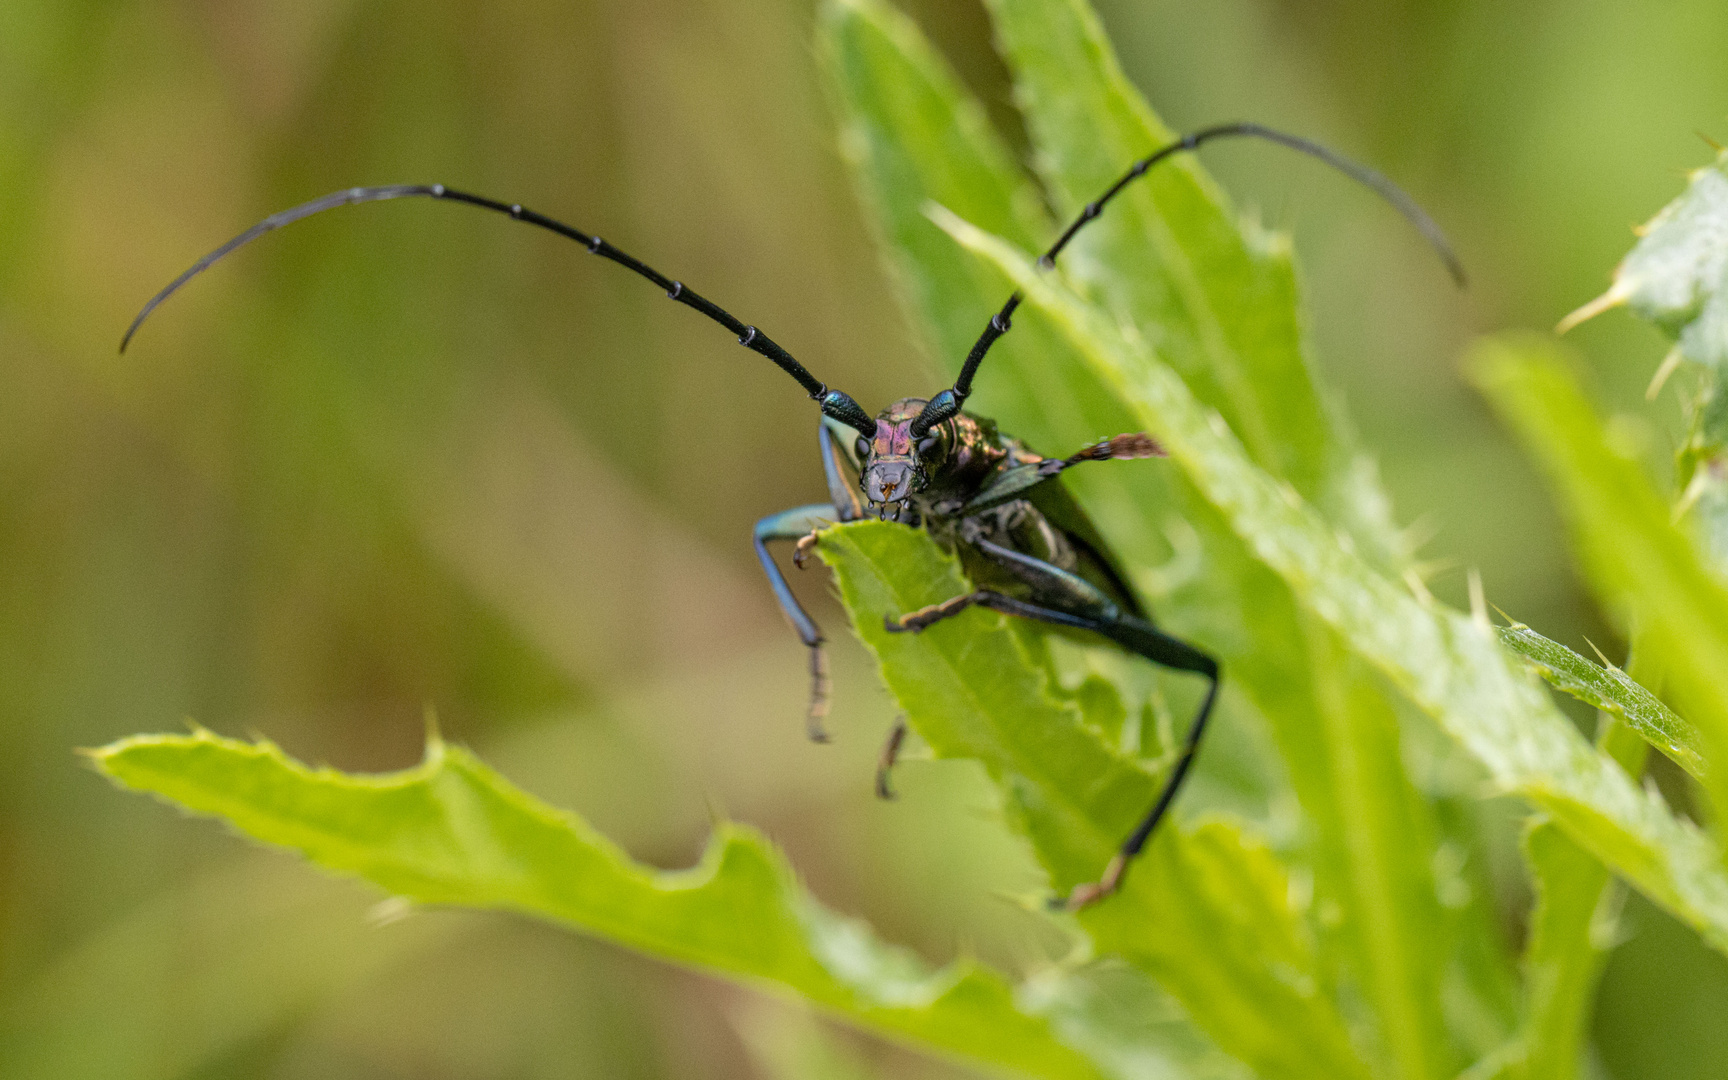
(926, 463)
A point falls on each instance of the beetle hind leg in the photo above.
(1139, 636)
(914, 621)
(1064, 599)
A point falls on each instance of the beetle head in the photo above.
(893, 465)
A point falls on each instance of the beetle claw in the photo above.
(1090, 893)
(801, 552)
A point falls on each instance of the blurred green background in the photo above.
(411, 457)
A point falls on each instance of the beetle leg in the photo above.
(801, 522)
(1166, 651)
(1067, 599)
(890, 754)
(1127, 447)
(915, 621)
(1014, 483)
(840, 472)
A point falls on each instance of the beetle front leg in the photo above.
(801, 525)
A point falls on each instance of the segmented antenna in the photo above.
(949, 402)
(834, 403)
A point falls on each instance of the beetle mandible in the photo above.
(927, 463)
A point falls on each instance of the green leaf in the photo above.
(1640, 566)
(451, 831)
(1170, 255)
(1677, 274)
(1565, 954)
(1222, 296)
(1611, 690)
(1570, 934)
(1572, 929)
(1450, 666)
(1124, 1021)
(1677, 277)
(1205, 910)
(1376, 854)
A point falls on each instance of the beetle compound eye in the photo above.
(862, 448)
(927, 445)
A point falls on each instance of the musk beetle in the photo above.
(927, 463)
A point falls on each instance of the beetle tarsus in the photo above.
(914, 621)
(1086, 895)
(1126, 447)
(890, 754)
(818, 695)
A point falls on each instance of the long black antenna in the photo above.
(949, 402)
(834, 403)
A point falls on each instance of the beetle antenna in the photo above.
(949, 402)
(834, 403)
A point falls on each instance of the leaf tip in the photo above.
(109, 759)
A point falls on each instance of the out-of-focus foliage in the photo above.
(1646, 570)
(1677, 278)
(1677, 275)
(411, 455)
(1663, 582)
(1271, 487)
(454, 832)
